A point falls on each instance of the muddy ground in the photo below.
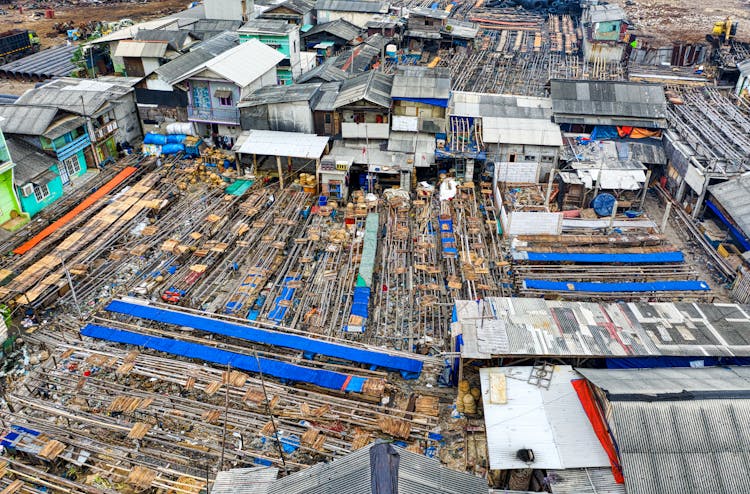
(685, 20)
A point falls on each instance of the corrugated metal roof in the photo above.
(80, 96)
(275, 143)
(255, 480)
(52, 62)
(63, 126)
(325, 72)
(26, 119)
(130, 31)
(357, 60)
(207, 29)
(241, 65)
(178, 40)
(530, 131)
(734, 197)
(299, 6)
(550, 421)
(421, 82)
(468, 104)
(460, 29)
(645, 153)
(420, 146)
(350, 474)
(584, 481)
(428, 12)
(670, 381)
(352, 6)
(141, 49)
(328, 93)
(267, 26)
(608, 102)
(198, 55)
(29, 161)
(531, 326)
(372, 86)
(604, 13)
(340, 28)
(683, 447)
(281, 94)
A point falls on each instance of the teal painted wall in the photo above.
(280, 43)
(30, 204)
(4, 154)
(607, 31)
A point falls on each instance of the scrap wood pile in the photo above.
(129, 419)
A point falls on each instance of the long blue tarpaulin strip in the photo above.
(656, 257)
(267, 337)
(276, 368)
(741, 238)
(654, 286)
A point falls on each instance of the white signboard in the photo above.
(405, 124)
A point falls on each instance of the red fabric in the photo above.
(600, 429)
(624, 131)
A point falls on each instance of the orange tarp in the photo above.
(101, 192)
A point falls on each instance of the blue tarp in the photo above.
(319, 377)
(603, 204)
(667, 361)
(657, 257)
(361, 301)
(443, 103)
(654, 286)
(603, 132)
(267, 337)
(737, 234)
(287, 294)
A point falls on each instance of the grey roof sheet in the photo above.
(254, 480)
(209, 28)
(421, 82)
(327, 95)
(325, 72)
(267, 26)
(339, 28)
(357, 59)
(372, 86)
(615, 100)
(29, 161)
(377, 41)
(80, 96)
(352, 6)
(350, 474)
(734, 197)
(300, 6)
(460, 29)
(532, 326)
(26, 119)
(198, 55)
(669, 381)
(177, 40)
(643, 152)
(604, 13)
(683, 447)
(468, 104)
(428, 12)
(281, 94)
(584, 481)
(52, 62)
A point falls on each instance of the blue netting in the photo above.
(654, 286)
(657, 257)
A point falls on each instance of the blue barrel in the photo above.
(323, 201)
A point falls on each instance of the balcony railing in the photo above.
(105, 130)
(351, 130)
(72, 147)
(229, 116)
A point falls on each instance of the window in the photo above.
(41, 192)
(226, 101)
(72, 165)
(328, 118)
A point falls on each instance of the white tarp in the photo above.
(550, 422)
(274, 143)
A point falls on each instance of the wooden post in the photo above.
(612, 217)
(549, 188)
(645, 189)
(281, 172)
(666, 216)
(255, 164)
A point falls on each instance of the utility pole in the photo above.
(90, 132)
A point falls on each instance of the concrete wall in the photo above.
(291, 117)
(230, 10)
(128, 120)
(357, 18)
(609, 51)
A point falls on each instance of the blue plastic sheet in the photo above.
(604, 132)
(276, 368)
(654, 286)
(267, 337)
(736, 233)
(673, 361)
(153, 138)
(657, 257)
(603, 204)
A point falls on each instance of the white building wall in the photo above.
(357, 18)
(230, 10)
(291, 117)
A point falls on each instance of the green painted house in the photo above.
(283, 37)
(50, 149)
(11, 215)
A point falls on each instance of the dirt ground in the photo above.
(685, 20)
(694, 255)
(81, 13)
